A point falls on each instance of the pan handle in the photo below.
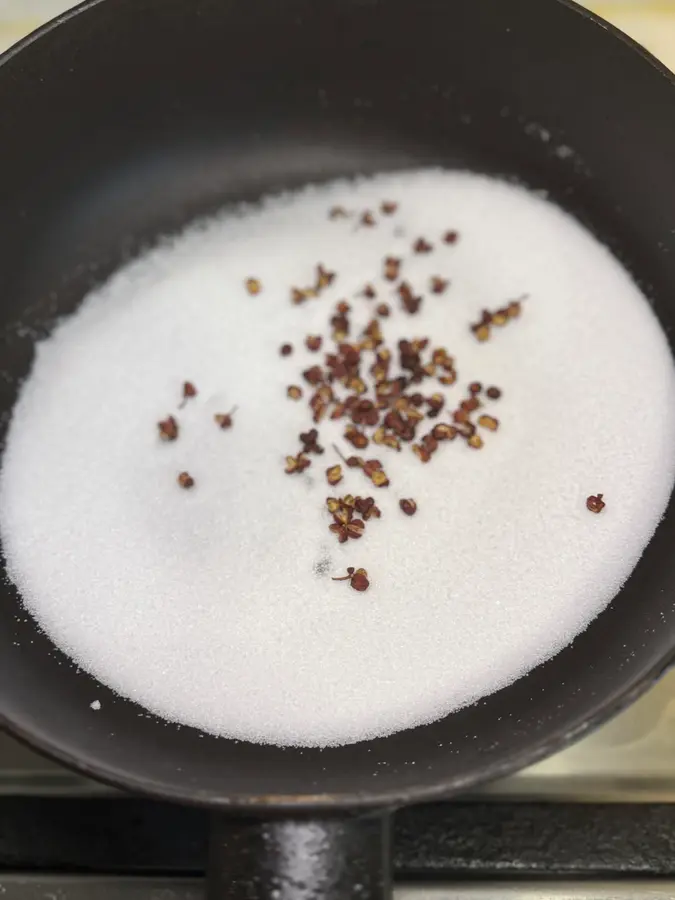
(303, 858)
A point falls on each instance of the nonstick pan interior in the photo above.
(133, 116)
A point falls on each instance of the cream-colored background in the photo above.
(650, 23)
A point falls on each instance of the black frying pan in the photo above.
(127, 118)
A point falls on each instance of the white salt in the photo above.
(214, 607)
(95, 705)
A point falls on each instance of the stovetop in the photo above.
(595, 821)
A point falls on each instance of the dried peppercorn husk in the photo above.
(253, 286)
(168, 429)
(408, 506)
(595, 503)
(334, 474)
(297, 464)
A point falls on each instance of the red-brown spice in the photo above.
(595, 503)
(438, 285)
(297, 464)
(189, 390)
(334, 474)
(313, 342)
(313, 375)
(168, 429)
(422, 246)
(392, 268)
(310, 442)
(409, 507)
(360, 581)
(224, 420)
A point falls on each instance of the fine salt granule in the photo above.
(214, 606)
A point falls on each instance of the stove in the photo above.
(595, 821)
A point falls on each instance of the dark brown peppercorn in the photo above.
(392, 268)
(422, 246)
(409, 507)
(444, 432)
(595, 503)
(356, 438)
(360, 581)
(365, 507)
(369, 292)
(388, 208)
(450, 237)
(421, 453)
(313, 375)
(345, 527)
(383, 310)
(368, 219)
(168, 429)
(286, 349)
(471, 404)
(189, 390)
(411, 303)
(493, 393)
(223, 420)
(313, 342)
(185, 480)
(475, 387)
(438, 284)
(293, 392)
(310, 442)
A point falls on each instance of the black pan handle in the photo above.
(332, 858)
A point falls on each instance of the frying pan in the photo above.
(123, 120)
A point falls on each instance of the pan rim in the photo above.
(344, 802)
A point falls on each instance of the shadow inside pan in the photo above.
(114, 138)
